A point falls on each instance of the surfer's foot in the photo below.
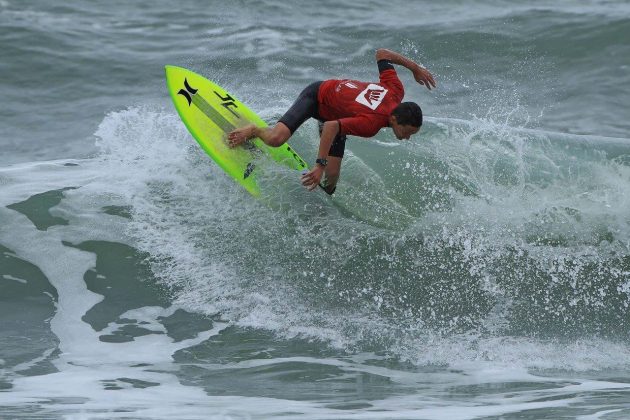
(241, 135)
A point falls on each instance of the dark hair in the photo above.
(408, 113)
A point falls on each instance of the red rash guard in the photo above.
(362, 108)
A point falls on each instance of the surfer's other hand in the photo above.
(311, 179)
(240, 135)
(424, 77)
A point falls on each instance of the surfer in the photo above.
(346, 107)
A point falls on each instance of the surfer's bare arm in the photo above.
(312, 178)
(422, 75)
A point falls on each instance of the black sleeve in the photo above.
(384, 65)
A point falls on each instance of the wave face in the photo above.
(479, 246)
(480, 270)
(475, 228)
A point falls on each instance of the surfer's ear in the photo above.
(392, 120)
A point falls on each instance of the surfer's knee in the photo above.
(278, 135)
(276, 140)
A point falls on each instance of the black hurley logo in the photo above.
(188, 93)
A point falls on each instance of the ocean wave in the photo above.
(475, 230)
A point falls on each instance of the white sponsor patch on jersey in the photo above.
(372, 96)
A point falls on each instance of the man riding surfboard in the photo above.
(346, 107)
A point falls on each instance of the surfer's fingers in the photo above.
(431, 80)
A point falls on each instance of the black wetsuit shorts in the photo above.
(305, 107)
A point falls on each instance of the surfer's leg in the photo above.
(333, 169)
(304, 107)
(240, 135)
(331, 175)
(274, 136)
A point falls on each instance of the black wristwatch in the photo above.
(321, 161)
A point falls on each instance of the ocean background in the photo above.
(480, 270)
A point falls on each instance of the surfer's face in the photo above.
(403, 132)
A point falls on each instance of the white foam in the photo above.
(181, 204)
(17, 279)
(86, 365)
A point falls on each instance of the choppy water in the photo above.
(481, 270)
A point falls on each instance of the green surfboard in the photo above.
(210, 113)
